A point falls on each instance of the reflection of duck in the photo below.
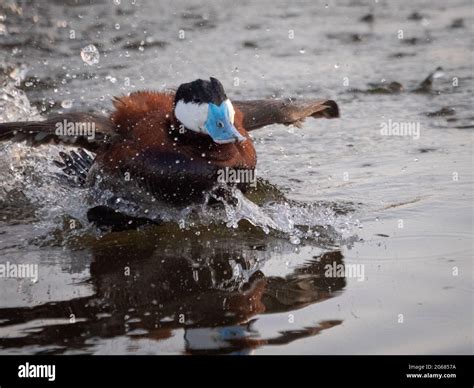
(213, 293)
(171, 143)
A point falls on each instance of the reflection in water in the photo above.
(147, 286)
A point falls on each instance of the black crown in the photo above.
(201, 91)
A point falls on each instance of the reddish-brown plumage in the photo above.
(172, 163)
(131, 109)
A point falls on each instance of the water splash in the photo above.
(291, 220)
(294, 220)
(14, 104)
(30, 174)
(30, 181)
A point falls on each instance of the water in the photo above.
(249, 276)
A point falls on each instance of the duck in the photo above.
(172, 143)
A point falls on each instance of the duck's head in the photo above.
(202, 106)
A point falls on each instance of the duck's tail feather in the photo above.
(86, 130)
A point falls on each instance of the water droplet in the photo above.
(66, 104)
(111, 79)
(295, 240)
(90, 55)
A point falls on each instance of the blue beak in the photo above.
(219, 127)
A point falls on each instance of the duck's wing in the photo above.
(259, 113)
(86, 130)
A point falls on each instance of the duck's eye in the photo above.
(220, 124)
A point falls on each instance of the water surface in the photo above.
(249, 277)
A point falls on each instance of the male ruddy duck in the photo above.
(173, 144)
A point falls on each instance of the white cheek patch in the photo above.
(231, 110)
(192, 116)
